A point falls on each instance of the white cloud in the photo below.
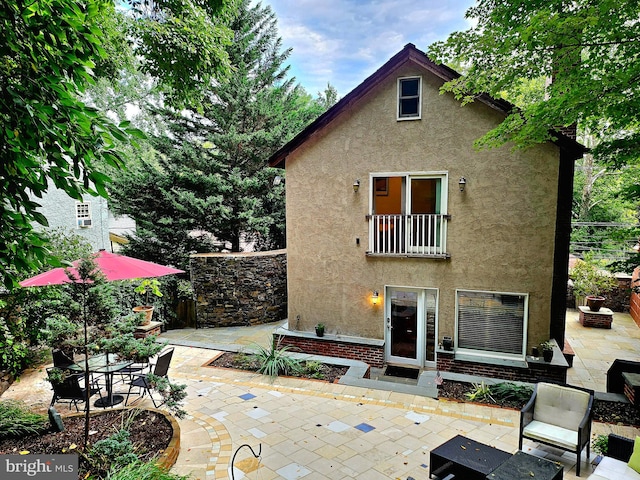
(344, 41)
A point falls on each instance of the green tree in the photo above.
(210, 174)
(590, 50)
(49, 53)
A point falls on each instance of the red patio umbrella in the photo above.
(113, 266)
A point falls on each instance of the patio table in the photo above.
(465, 458)
(107, 364)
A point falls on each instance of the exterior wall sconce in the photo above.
(375, 298)
(356, 186)
(461, 183)
(277, 180)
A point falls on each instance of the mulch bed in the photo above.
(327, 373)
(618, 413)
(149, 432)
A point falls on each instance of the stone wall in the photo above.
(240, 289)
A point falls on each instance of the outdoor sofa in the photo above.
(614, 466)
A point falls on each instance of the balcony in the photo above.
(417, 235)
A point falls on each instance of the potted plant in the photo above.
(146, 287)
(547, 350)
(591, 282)
(320, 329)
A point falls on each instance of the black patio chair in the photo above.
(61, 359)
(127, 374)
(68, 389)
(143, 381)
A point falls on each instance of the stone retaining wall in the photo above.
(240, 289)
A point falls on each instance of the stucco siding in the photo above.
(500, 235)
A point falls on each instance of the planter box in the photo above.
(600, 319)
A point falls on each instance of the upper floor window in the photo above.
(409, 105)
(409, 214)
(83, 214)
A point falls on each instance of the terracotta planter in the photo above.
(147, 310)
(595, 302)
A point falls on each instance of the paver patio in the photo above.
(316, 430)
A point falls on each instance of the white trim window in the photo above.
(409, 98)
(491, 323)
(83, 214)
(408, 214)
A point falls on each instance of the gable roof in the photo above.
(408, 54)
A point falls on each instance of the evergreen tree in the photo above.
(210, 174)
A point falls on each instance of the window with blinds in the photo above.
(491, 322)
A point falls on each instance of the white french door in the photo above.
(410, 326)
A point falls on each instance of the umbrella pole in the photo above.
(87, 384)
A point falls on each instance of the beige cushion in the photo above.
(612, 469)
(561, 406)
(562, 437)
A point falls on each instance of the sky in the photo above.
(342, 42)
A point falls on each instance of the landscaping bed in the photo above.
(315, 371)
(149, 431)
(619, 413)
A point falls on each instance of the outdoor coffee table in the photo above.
(465, 458)
(522, 466)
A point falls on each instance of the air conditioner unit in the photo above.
(84, 222)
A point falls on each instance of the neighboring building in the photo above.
(387, 196)
(89, 218)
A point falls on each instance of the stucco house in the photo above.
(415, 249)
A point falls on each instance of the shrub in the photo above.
(589, 278)
(600, 444)
(480, 393)
(511, 391)
(313, 368)
(113, 452)
(16, 420)
(14, 353)
(172, 394)
(143, 471)
(274, 360)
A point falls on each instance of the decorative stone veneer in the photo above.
(240, 289)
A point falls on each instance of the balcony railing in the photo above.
(408, 235)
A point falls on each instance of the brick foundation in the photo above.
(533, 373)
(371, 354)
(632, 387)
(600, 319)
(634, 300)
(374, 356)
(153, 328)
